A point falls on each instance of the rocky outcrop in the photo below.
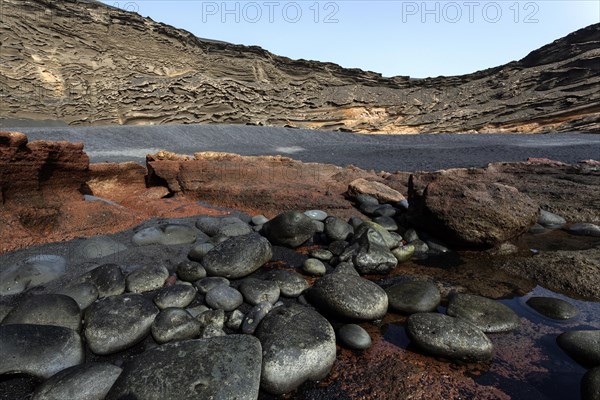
(88, 63)
(469, 213)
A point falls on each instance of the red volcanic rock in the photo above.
(466, 212)
(267, 184)
(381, 192)
(40, 171)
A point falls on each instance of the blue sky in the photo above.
(416, 38)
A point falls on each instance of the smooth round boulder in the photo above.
(205, 284)
(223, 297)
(354, 337)
(312, 266)
(46, 309)
(39, 350)
(489, 315)
(238, 256)
(290, 228)
(88, 381)
(317, 215)
(298, 345)
(553, 308)
(173, 324)
(167, 234)
(414, 297)
(337, 229)
(404, 253)
(258, 290)
(366, 199)
(191, 271)
(118, 322)
(349, 296)
(226, 367)
(291, 283)
(590, 385)
(582, 346)
(321, 254)
(259, 219)
(83, 293)
(175, 296)
(98, 247)
(147, 278)
(386, 222)
(108, 279)
(448, 337)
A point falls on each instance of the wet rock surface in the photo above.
(582, 346)
(414, 297)
(220, 368)
(486, 314)
(553, 308)
(298, 345)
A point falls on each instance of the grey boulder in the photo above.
(298, 345)
(582, 346)
(486, 314)
(39, 350)
(226, 367)
(414, 297)
(46, 309)
(349, 296)
(238, 256)
(448, 337)
(289, 229)
(118, 322)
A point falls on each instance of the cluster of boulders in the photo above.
(226, 322)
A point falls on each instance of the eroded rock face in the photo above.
(554, 88)
(469, 213)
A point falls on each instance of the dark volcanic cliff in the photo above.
(87, 63)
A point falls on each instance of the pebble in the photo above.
(80, 382)
(190, 271)
(312, 266)
(146, 278)
(259, 219)
(448, 337)
(83, 293)
(222, 225)
(436, 247)
(200, 250)
(337, 229)
(31, 272)
(39, 350)
(584, 229)
(366, 199)
(258, 290)
(420, 247)
(174, 324)
(235, 320)
(373, 256)
(118, 322)
(298, 345)
(197, 310)
(410, 235)
(175, 296)
(217, 239)
(289, 229)
(582, 346)
(235, 229)
(168, 234)
(46, 309)
(212, 331)
(387, 222)
(238, 256)
(385, 210)
(368, 209)
(349, 296)
(354, 337)
(321, 254)
(108, 279)
(403, 253)
(98, 247)
(214, 318)
(225, 367)
(552, 307)
(388, 239)
(550, 220)
(255, 316)
(205, 284)
(590, 385)
(291, 283)
(224, 298)
(488, 315)
(414, 297)
(317, 215)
